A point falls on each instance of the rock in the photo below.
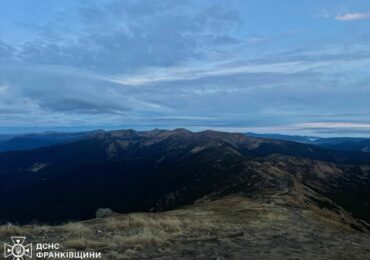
(104, 212)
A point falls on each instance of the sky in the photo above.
(267, 66)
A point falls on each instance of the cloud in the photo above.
(165, 63)
(343, 125)
(123, 36)
(238, 93)
(336, 129)
(59, 88)
(353, 16)
(208, 69)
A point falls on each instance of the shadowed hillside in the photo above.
(131, 171)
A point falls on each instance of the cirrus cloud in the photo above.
(353, 16)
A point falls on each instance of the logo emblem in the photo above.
(18, 250)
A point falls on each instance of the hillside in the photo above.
(233, 227)
(131, 171)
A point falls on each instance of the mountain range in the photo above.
(22, 142)
(129, 171)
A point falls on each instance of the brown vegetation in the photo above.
(233, 227)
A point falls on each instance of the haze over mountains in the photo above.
(131, 171)
(336, 143)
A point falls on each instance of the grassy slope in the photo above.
(230, 228)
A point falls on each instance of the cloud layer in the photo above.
(187, 64)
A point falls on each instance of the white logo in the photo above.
(18, 250)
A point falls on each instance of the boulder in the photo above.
(103, 213)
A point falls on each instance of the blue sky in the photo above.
(266, 66)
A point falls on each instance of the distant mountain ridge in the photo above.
(37, 140)
(335, 143)
(293, 138)
(5, 137)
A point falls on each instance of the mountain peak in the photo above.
(182, 131)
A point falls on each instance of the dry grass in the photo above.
(123, 236)
(39, 230)
(11, 230)
(143, 237)
(75, 230)
(84, 244)
(150, 221)
(147, 229)
(129, 229)
(233, 222)
(127, 254)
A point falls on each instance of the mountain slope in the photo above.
(292, 138)
(345, 144)
(33, 141)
